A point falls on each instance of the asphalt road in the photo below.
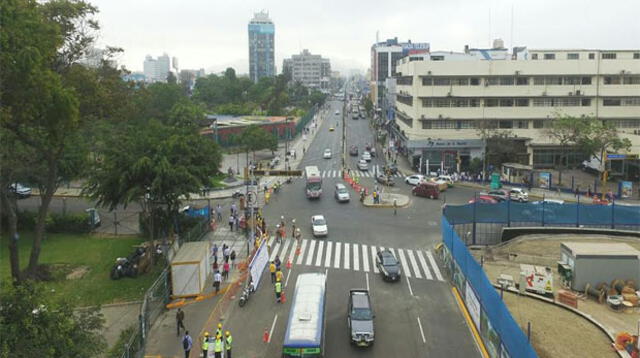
(416, 317)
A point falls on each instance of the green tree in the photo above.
(254, 138)
(35, 324)
(368, 106)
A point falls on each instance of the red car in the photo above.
(484, 199)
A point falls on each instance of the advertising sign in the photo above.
(544, 180)
(258, 264)
(626, 189)
(473, 305)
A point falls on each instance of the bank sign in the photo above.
(445, 143)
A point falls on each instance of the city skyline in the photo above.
(215, 37)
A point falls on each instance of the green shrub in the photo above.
(125, 337)
(69, 223)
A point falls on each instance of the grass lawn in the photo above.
(216, 181)
(68, 252)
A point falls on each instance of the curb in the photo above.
(472, 327)
(386, 205)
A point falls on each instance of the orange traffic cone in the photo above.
(265, 336)
(289, 264)
(283, 298)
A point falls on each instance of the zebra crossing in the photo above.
(371, 173)
(419, 264)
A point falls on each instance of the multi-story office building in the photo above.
(444, 98)
(188, 77)
(261, 47)
(157, 70)
(313, 71)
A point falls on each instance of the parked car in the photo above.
(353, 151)
(327, 154)
(360, 318)
(363, 165)
(518, 194)
(385, 180)
(498, 194)
(414, 179)
(341, 193)
(366, 156)
(446, 178)
(319, 226)
(484, 199)
(388, 265)
(427, 190)
(21, 191)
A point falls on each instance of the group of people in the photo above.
(218, 343)
(275, 268)
(229, 257)
(234, 218)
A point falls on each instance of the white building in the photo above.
(157, 70)
(443, 98)
(313, 71)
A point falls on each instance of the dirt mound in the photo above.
(77, 273)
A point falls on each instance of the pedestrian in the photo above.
(263, 225)
(233, 209)
(205, 345)
(236, 220)
(272, 270)
(219, 330)
(232, 256)
(180, 321)
(231, 221)
(227, 253)
(277, 262)
(187, 343)
(228, 344)
(214, 251)
(293, 228)
(225, 270)
(294, 155)
(278, 289)
(577, 192)
(217, 278)
(219, 212)
(589, 191)
(217, 347)
(278, 275)
(395, 207)
(298, 234)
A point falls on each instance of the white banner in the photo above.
(473, 305)
(258, 264)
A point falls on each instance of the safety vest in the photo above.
(272, 268)
(205, 344)
(218, 332)
(218, 345)
(278, 287)
(229, 340)
(278, 275)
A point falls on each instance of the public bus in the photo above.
(304, 337)
(313, 186)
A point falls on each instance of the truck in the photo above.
(536, 279)
(360, 318)
(313, 182)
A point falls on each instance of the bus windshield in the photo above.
(314, 186)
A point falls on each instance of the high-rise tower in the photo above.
(261, 46)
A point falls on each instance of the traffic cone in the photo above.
(265, 336)
(288, 264)
(283, 298)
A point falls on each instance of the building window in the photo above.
(462, 81)
(534, 56)
(460, 103)
(505, 124)
(612, 80)
(611, 102)
(573, 80)
(522, 102)
(585, 102)
(406, 120)
(631, 101)
(522, 124)
(626, 123)
(492, 81)
(538, 80)
(573, 56)
(491, 102)
(549, 56)
(636, 55)
(426, 102)
(506, 81)
(506, 102)
(427, 81)
(609, 56)
(522, 81)
(426, 124)
(474, 81)
(442, 124)
(405, 80)
(441, 103)
(466, 124)
(408, 100)
(437, 58)
(474, 102)
(586, 80)
(538, 124)
(592, 56)
(441, 81)
(553, 80)
(631, 80)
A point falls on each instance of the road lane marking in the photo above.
(421, 331)
(302, 249)
(346, 256)
(273, 325)
(365, 258)
(292, 253)
(373, 259)
(333, 174)
(425, 268)
(336, 260)
(366, 275)
(436, 270)
(319, 254)
(285, 246)
(409, 285)
(327, 259)
(312, 247)
(286, 282)
(414, 264)
(403, 261)
(356, 258)
(274, 252)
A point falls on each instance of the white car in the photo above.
(327, 154)
(342, 194)
(518, 194)
(319, 226)
(445, 178)
(21, 191)
(414, 179)
(337, 113)
(363, 165)
(366, 156)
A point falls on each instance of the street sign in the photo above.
(278, 173)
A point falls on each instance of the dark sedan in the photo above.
(353, 151)
(388, 265)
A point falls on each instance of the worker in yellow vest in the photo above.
(219, 330)
(227, 344)
(217, 347)
(205, 345)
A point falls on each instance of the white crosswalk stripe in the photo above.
(425, 268)
(436, 270)
(274, 251)
(365, 258)
(346, 256)
(373, 259)
(356, 258)
(414, 264)
(285, 246)
(327, 258)
(292, 253)
(302, 249)
(336, 261)
(319, 253)
(403, 261)
(312, 247)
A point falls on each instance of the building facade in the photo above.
(261, 47)
(157, 70)
(313, 71)
(442, 102)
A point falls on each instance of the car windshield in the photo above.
(314, 186)
(361, 314)
(319, 221)
(342, 190)
(389, 261)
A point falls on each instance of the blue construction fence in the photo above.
(500, 333)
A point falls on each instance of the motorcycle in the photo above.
(237, 194)
(244, 297)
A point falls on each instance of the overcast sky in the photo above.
(212, 34)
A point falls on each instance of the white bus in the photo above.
(313, 187)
